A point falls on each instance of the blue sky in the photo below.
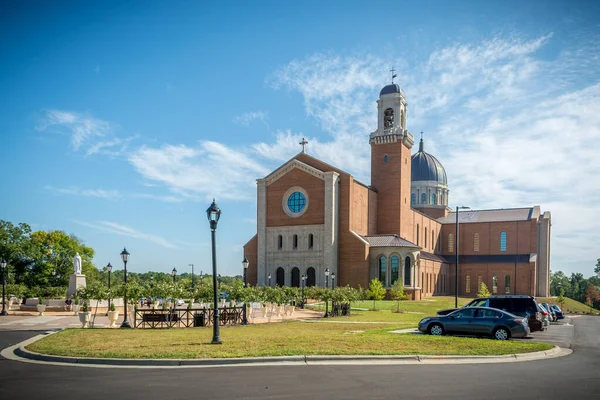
(120, 121)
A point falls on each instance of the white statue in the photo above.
(77, 264)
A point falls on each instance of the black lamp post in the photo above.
(3, 270)
(303, 278)
(269, 280)
(333, 280)
(173, 273)
(245, 266)
(326, 287)
(109, 269)
(213, 213)
(125, 257)
(456, 251)
(192, 265)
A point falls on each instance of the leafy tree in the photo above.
(376, 291)
(591, 296)
(398, 293)
(561, 300)
(483, 291)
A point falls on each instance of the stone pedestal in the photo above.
(75, 282)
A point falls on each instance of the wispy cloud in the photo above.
(209, 169)
(123, 230)
(246, 118)
(87, 133)
(74, 191)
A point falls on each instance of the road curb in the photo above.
(19, 353)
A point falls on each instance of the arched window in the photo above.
(280, 277)
(280, 242)
(423, 198)
(407, 271)
(433, 239)
(450, 242)
(310, 240)
(413, 198)
(417, 234)
(425, 237)
(395, 268)
(476, 242)
(382, 271)
(494, 284)
(295, 242)
(479, 282)
(468, 284)
(310, 277)
(295, 277)
(385, 158)
(502, 241)
(507, 284)
(433, 198)
(388, 118)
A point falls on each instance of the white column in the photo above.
(261, 227)
(330, 240)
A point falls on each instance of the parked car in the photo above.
(551, 311)
(546, 318)
(477, 321)
(558, 311)
(521, 305)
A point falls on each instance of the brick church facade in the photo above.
(313, 217)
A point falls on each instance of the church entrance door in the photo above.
(310, 277)
(295, 277)
(280, 277)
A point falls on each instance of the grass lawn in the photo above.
(412, 311)
(571, 306)
(277, 339)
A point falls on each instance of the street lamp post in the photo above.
(3, 270)
(213, 213)
(269, 280)
(326, 287)
(456, 252)
(125, 258)
(173, 273)
(192, 265)
(303, 284)
(333, 280)
(109, 269)
(245, 266)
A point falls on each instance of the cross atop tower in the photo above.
(421, 135)
(303, 143)
(393, 75)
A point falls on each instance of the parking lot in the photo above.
(560, 333)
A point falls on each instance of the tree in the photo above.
(397, 293)
(591, 296)
(597, 268)
(483, 291)
(376, 291)
(561, 300)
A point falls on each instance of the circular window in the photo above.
(295, 201)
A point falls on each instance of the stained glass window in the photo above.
(296, 202)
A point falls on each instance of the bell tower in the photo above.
(391, 146)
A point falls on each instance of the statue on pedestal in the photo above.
(77, 264)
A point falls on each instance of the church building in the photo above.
(314, 219)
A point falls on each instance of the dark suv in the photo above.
(523, 306)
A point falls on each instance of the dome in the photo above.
(389, 89)
(426, 167)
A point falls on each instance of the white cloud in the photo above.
(246, 118)
(123, 230)
(85, 131)
(208, 170)
(73, 191)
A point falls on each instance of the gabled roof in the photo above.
(388, 241)
(499, 215)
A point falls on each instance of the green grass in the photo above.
(571, 306)
(280, 339)
(411, 311)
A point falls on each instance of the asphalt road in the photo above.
(576, 376)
